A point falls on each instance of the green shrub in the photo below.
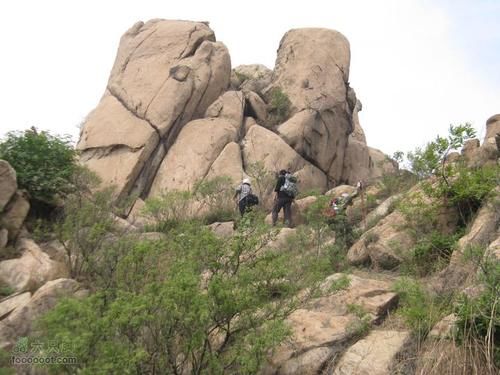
(44, 163)
(371, 238)
(215, 196)
(279, 106)
(418, 308)
(479, 316)
(192, 303)
(361, 326)
(431, 253)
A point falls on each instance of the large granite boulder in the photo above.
(15, 213)
(8, 183)
(492, 135)
(20, 322)
(33, 269)
(323, 328)
(165, 74)
(380, 353)
(190, 158)
(254, 77)
(312, 69)
(262, 145)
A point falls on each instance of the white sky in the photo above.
(417, 66)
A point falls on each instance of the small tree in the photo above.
(44, 163)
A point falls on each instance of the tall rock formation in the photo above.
(174, 113)
(165, 74)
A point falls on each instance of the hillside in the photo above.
(139, 262)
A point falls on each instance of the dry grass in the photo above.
(447, 357)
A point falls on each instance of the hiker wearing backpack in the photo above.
(246, 199)
(285, 192)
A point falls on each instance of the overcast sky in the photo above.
(417, 66)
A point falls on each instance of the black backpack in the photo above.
(252, 200)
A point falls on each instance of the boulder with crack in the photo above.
(165, 74)
(325, 326)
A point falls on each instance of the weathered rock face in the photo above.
(191, 156)
(255, 77)
(19, 322)
(14, 214)
(323, 328)
(8, 183)
(167, 118)
(263, 145)
(492, 135)
(165, 74)
(381, 244)
(376, 354)
(380, 164)
(33, 269)
(312, 68)
(12, 302)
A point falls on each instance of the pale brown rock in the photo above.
(482, 232)
(137, 217)
(376, 354)
(383, 244)
(493, 251)
(380, 164)
(228, 163)
(356, 161)
(382, 209)
(165, 74)
(326, 323)
(12, 302)
(263, 145)
(20, 322)
(256, 106)
(254, 77)
(445, 328)
(33, 269)
(223, 230)
(248, 122)
(4, 238)
(230, 106)
(492, 131)
(312, 67)
(318, 136)
(14, 214)
(8, 183)
(341, 189)
(112, 125)
(191, 156)
(470, 147)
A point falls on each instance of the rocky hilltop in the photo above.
(403, 278)
(174, 112)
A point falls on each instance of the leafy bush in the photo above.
(44, 163)
(192, 303)
(430, 254)
(279, 106)
(418, 308)
(215, 196)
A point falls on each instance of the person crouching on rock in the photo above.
(246, 199)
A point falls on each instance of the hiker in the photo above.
(338, 204)
(285, 193)
(246, 199)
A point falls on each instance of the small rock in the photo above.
(12, 302)
(376, 354)
(444, 328)
(8, 183)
